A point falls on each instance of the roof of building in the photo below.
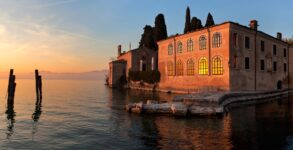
(118, 61)
(235, 23)
(136, 49)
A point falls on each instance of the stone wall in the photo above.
(116, 70)
(251, 79)
(196, 82)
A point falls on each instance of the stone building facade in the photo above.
(140, 59)
(224, 57)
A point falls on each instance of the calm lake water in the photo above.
(88, 115)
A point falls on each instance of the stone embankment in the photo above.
(205, 103)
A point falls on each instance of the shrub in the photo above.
(146, 76)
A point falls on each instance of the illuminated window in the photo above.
(190, 67)
(179, 48)
(170, 49)
(217, 40)
(217, 66)
(203, 66)
(179, 68)
(170, 69)
(202, 42)
(189, 45)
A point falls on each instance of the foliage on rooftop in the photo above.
(146, 76)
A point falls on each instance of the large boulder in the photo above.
(162, 108)
(179, 109)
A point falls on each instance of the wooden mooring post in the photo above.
(11, 89)
(39, 92)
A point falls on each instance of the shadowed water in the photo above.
(88, 115)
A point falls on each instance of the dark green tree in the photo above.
(160, 29)
(210, 20)
(187, 27)
(147, 38)
(195, 24)
(199, 25)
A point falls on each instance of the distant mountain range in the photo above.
(91, 75)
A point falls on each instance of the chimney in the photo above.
(119, 50)
(279, 35)
(253, 24)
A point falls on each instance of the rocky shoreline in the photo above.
(205, 103)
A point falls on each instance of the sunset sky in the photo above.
(82, 35)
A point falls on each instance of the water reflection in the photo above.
(10, 119)
(38, 110)
(36, 115)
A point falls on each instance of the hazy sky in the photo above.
(82, 35)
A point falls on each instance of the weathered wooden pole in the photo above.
(39, 92)
(11, 89)
(37, 83)
(40, 87)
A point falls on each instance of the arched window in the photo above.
(179, 68)
(189, 45)
(217, 66)
(170, 69)
(217, 40)
(179, 47)
(202, 42)
(203, 66)
(190, 67)
(170, 49)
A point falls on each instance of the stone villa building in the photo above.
(225, 57)
(140, 59)
(222, 57)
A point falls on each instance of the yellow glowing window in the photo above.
(170, 69)
(189, 45)
(202, 43)
(190, 67)
(203, 67)
(179, 68)
(217, 66)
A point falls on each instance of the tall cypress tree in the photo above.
(160, 29)
(187, 27)
(210, 20)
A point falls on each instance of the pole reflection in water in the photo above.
(36, 115)
(10, 119)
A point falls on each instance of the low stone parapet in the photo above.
(204, 103)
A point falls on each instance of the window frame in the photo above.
(179, 47)
(190, 67)
(262, 46)
(285, 67)
(246, 63)
(217, 40)
(179, 68)
(202, 41)
(247, 42)
(170, 49)
(274, 49)
(217, 66)
(262, 65)
(190, 45)
(275, 66)
(203, 68)
(285, 52)
(170, 68)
